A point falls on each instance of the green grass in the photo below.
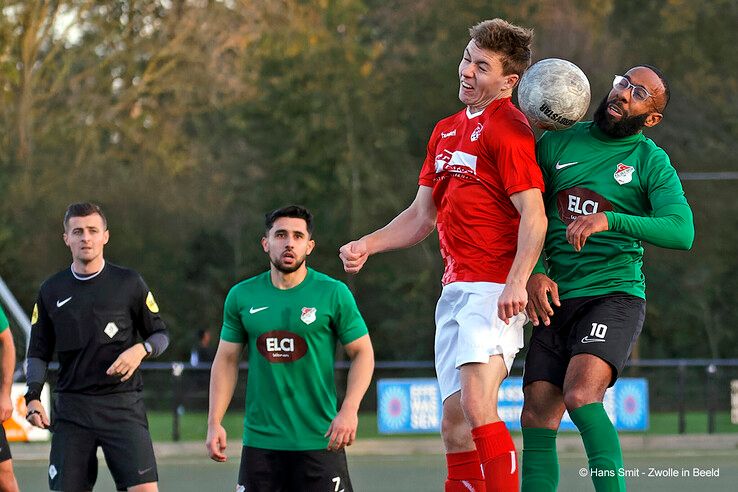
(193, 425)
(422, 473)
(696, 423)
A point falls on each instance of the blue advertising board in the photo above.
(408, 405)
(414, 405)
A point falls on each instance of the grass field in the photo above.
(423, 473)
(426, 473)
(193, 426)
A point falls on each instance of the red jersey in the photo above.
(474, 163)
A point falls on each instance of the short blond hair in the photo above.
(511, 41)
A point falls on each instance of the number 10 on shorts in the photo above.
(598, 330)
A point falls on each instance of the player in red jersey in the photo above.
(480, 186)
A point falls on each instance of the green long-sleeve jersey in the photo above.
(632, 181)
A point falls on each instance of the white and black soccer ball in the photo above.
(554, 94)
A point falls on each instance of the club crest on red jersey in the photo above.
(477, 131)
(624, 174)
(308, 315)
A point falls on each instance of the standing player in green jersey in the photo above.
(7, 367)
(290, 317)
(608, 188)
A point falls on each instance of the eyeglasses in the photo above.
(639, 92)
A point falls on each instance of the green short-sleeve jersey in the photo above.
(588, 172)
(4, 325)
(291, 336)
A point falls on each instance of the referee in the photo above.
(102, 321)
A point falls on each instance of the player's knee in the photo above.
(467, 403)
(579, 396)
(477, 411)
(540, 418)
(451, 422)
(529, 417)
(145, 487)
(455, 431)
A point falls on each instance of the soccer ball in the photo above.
(554, 94)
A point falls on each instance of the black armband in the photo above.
(34, 392)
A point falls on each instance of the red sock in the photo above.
(497, 454)
(464, 472)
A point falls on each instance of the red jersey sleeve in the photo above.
(513, 147)
(428, 171)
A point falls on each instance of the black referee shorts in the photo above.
(606, 326)
(4, 447)
(116, 423)
(267, 470)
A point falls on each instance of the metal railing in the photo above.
(675, 385)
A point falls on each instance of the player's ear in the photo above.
(310, 246)
(265, 244)
(65, 238)
(653, 119)
(106, 236)
(510, 81)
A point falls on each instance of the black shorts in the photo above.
(117, 423)
(605, 326)
(4, 447)
(266, 470)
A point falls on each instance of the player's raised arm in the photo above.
(410, 227)
(342, 430)
(223, 378)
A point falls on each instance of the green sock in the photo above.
(540, 461)
(602, 445)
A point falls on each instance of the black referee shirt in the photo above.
(89, 323)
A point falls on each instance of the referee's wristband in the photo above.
(34, 392)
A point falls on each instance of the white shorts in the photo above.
(468, 330)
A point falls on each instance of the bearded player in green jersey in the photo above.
(290, 317)
(608, 188)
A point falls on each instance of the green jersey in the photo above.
(588, 172)
(4, 325)
(291, 336)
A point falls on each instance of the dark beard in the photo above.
(284, 269)
(627, 126)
